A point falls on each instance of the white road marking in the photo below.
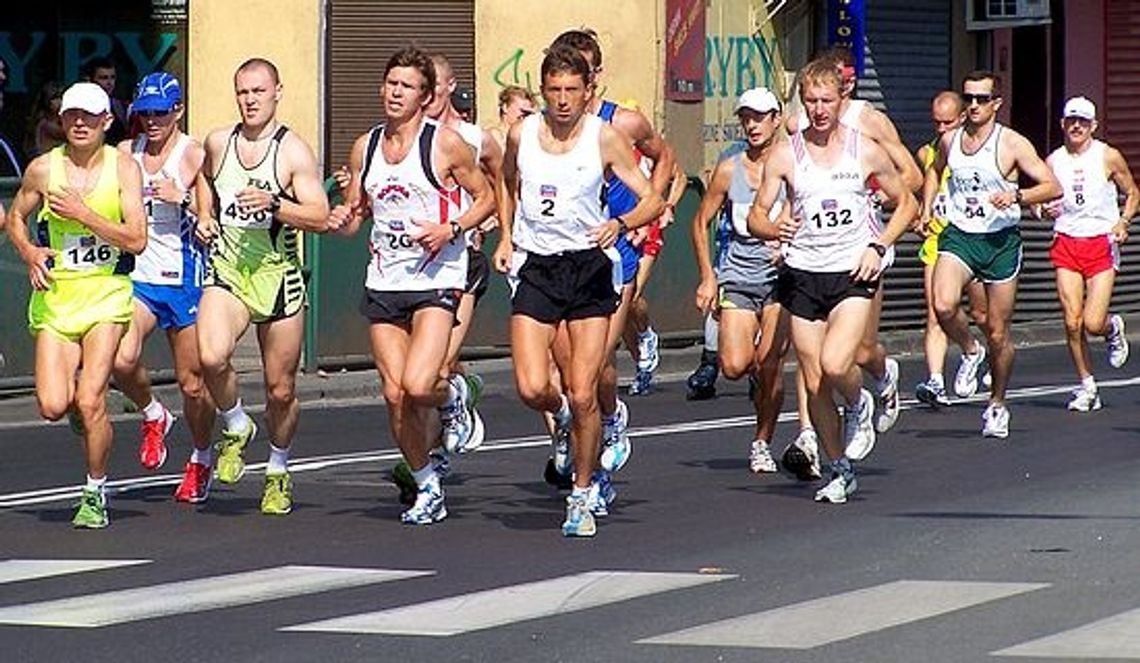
(16, 570)
(1116, 637)
(842, 616)
(516, 603)
(177, 598)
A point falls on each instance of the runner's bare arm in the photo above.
(650, 143)
(932, 182)
(711, 204)
(213, 147)
(883, 132)
(878, 163)
(491, 161)
(309, 208)
(777, 171)
(1121, 175)
(507, 185)
(130, 235)
(1017, 154)
(192, 160)
(469, 175)
(27, 200)
(346, 217)
(617, 156)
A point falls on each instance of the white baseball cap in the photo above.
(1080, 107)
(759, 99)
(87, 97)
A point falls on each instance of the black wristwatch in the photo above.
(879, 248)
(1017, 196)
(456, 231)
(275, 203)
(622, 228)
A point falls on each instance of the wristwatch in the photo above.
(879, 248)
(622, 228)
(1017, 196)
(275, 203)
(456, 231)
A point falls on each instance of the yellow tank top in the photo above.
(79, 252)
(938, 213)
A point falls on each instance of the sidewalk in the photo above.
(321, 387)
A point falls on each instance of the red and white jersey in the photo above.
(404, 196)
(1089, 206)
(837, 221)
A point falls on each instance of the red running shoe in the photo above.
(195, 485)
(152, 451)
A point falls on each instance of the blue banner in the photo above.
(845, 27)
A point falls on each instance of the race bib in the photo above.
(232, 215)
(82, 252)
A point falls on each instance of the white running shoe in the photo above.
(1084, 400)
(560, 439)
(858, 433)
(462, 426)
(601, 494)
(579, 520)
(888, 400)
(932, 393)
(616, 447)
(995, 421)
(801, 457)
(648, 355)
(966, 381)
(428, 508)
(760, 459)
(841, 485)
(1117, 342)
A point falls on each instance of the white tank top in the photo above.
(837, 219)
(560, 195)
(399, 193)
(172, 256)
(1089, 207)
(973, 179)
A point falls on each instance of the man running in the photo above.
(833, 260)
(405, 175)
(982, 240)
(167, 283)
(562, 268)
(91, 219)
(947, 113)
(265, 186)
(752, 334)
(1090, 227)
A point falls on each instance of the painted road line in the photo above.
(863, 611)
(16, 570)
(177, 598)
(516, 603)
(1117, 637)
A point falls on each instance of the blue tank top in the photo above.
(619, 199)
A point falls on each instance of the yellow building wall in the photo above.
(225, 33)
(509, 43)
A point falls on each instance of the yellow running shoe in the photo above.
(231, 466)
(92, 511)
(277, 500)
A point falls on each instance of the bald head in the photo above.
(948, 101)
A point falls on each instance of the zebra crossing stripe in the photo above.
(1116, 637)
(507, 605)
(847, 615)
(16, 570)
(176, 598)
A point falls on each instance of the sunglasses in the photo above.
(153, 113)
(980, 98)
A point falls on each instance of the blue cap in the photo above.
(157, 92)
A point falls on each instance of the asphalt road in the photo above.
(955, 548)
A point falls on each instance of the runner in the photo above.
(562, 269)
(515, 103)
(91, 219)
(947, 113)
(982, 240)
(752, 334)
(404, 177)
(833, 261)
(167, 283)
(260, 185)
(1089, 227)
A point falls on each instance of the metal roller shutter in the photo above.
(362, 34)
(1122, 78)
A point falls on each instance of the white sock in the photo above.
(1089, 383)
(937, 379)
(99, 484)
(235, 419)
(202, 456)
(278, 460)
(425, 475)
(154, 410)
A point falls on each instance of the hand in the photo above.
(252, 200)
(1052, 209)
(789, 226)
(638, 236)
(1003, 199)
(777, 257)
(431, 236)
(343, 178)
(166, 190)
(921, 225)
(606, 234)
(666, 217)
(1120, 231)
(206, 230)
(501, 259)
(339, 218)
(69, 204)
(870, 264)
(39, 274)
(706, 295)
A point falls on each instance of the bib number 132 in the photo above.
(832, 218)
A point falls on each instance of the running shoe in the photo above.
(888, 399)
(440, 462)
(551, 476)
(616, 448)
(801, 456)
(858, 432)
(995, 421)
(402, 477)
(840, 486)
(648, 355)
(932, 393)
(1117, 342)
(1084, 400)
(474, 388)
(277, 499)
(760, 459)
(462, 426)
(966, 381)
(579, 521)
(560, 439)
(195, 485)
(601, 494)
(642, 383)
(428, 507)
(152, 451)
(230, 466)
(702, 383)
(92, 510)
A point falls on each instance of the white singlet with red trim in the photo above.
(1089, 207)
